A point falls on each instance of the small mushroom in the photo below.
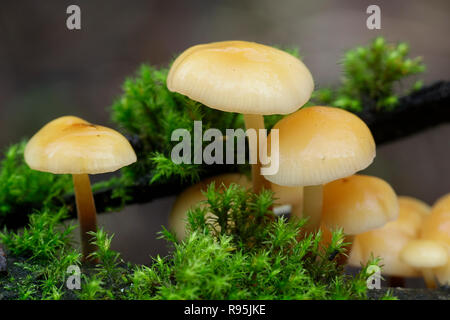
(387, 242)
(425, 255)
(436, 227)
(412, 213)
(193, 196)
(70, 145)
(358, 204)
(243, 77)
(318, 145)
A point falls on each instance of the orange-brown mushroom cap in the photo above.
(358, 203)
(320, 144)
(437, 227)
(74, 146)
(241, 76)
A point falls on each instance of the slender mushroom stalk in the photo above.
(256, 122)
(429, 278)
(70, 145)
(244, 77)
(87, 215)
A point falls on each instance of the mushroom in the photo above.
(70, 145)
(358, 204)
(387, 242)
(425, 255)
(243, 77)
(412, 213)
(318, 145)
(193, 196)
(436, 227)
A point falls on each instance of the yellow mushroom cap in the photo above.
(436, 227)
(193, 196)
(320, 144)
(424, 254)
(437, 224)
(442, 204)
(358, 203)
(243, 77)
(385, 244)
(411, 216)
(75, 146)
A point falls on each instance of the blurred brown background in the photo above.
(47, 71)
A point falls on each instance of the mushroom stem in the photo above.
(87, 215)
(429, 279)
(312, 206)
(256, 122)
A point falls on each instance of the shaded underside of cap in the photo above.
(358, 204)
(74, 146)
(243, 77)
(321, 144)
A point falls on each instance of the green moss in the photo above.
(45, 252)
(246, 252)
(371, 76)
(149, 111)
(22, 187)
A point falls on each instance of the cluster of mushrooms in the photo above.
(320, 150)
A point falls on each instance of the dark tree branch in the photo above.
(423, 109)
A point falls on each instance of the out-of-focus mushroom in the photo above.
(243, 77)
(442, 204)
(70, 145)
(318, 145)
(412, 213)
(358, 204)
(425, 255)
(436, 227)
(387, 242)
(193, 196)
